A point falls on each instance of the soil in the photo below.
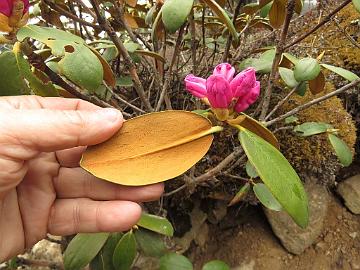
(252, 245)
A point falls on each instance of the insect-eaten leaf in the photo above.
(312, 128)
(278, 175)
(266, 198)
(342, 150)
(82, 249)
(156, 224)
(151, 148)
(125, 252)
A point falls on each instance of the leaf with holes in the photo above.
(266, 198)
(156, 224)
(342, 150)
(82, 249)
(348, 75)
(278, 175)
(125, 252)
(151, 148)
(306, 69)
(312, 128)
(175, 13)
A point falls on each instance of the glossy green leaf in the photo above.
(103, 260)
(278, 175)
(342, 150)
(312, 128)
(250, 170)
(172, 261)
(81, 66)
(287, 75)
(216, 265)
(356, 4)
(175, 13)
(150, 243)
(266, 198)
(82, 249)
(12, 82)
(348, 75)
(125, 252)
(306, 69)
(156, 224)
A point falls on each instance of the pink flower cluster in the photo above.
(6, 6)
(223, 90)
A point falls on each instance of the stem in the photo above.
(313, 102)
(279, 50)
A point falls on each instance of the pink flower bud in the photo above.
(218, 91)
(6, 6)
(249, 98)
(244, 81)
(196, 86)
(226, 70)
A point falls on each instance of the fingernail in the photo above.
(111, 115)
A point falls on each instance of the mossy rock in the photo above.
(314, 155)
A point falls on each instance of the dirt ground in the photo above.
(252, 245)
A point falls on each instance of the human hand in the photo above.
(42, 188)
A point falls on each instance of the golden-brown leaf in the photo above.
(131, 3)
(130, 20)
(151, 148)
(109, 76)
(298, 6)
(317, 85)
(255, 127)
(277, 14)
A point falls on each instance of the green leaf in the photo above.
(40, 88)
(278, 175)
(125, 252)
(291, 58)
(291, 119)
(306, 69)
(264, 11)
(12, 82)
(266, 198)
(348, 75)
(288, 77)
(124, 81)
(342, 150)
(82, 249)
(356, 4)
(250, 170)
(131, 46)
(216, 265)
(312, 128)
(156, 224)
(264, 63)
(81, 66)
(175, 13)
(172, 261)
(103, 261)
(150, 243)
(301, 89)
(240, 194)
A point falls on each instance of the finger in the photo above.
(52, 103)
(50, 130)
(77, 183)
(70, 157)
(70, 216)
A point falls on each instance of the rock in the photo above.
(349, 190)
(292, 237)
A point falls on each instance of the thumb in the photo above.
(47, 130)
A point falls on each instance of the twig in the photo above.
(279, 50)
(117, 97)
(85, 7)
(105, 25)
(70, 15)
(170, 71)
(193, 41)
(281, 102)
(316, 27)
(313, 102)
